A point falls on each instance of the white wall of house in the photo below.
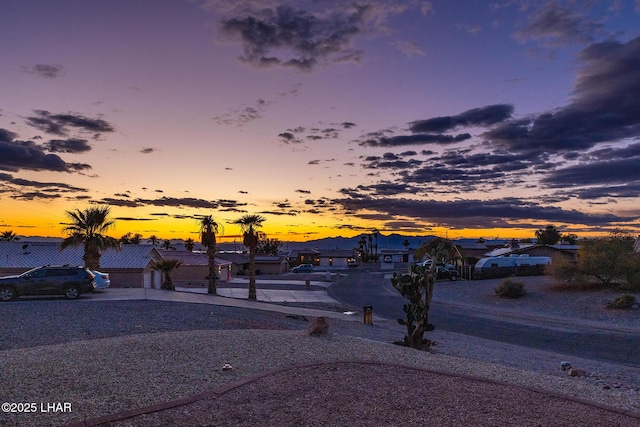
(333, 262)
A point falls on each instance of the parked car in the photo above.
(48, 280)
(303, 268)
(102, 280)
(352, 263)
(446, 273)
(387, 258)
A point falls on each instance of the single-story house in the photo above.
(269, 264)
(239, 262)
(396, 255)
(129, 267)
(335, 258)
(265, 264)
(304, 256)
(195, 266)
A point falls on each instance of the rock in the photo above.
(227, 367)
(572, 372)
(565, 365)
(318, 326)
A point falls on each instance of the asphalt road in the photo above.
(361, 288)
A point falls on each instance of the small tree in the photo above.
(417, 287)
(166, 267)
(605, 259)
(548, 236)
(268, 246)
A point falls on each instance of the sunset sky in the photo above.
(465, 118)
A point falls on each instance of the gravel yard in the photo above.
(109, 356)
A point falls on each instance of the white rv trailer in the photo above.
(512, 265)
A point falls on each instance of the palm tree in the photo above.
(406, 243)
(250, 238)
(189, 244)
(166, 266)
(376, 233)
(9, 236)
(208, 230)
(167, 245)
(87, 229)
(153, 239)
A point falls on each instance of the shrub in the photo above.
(623, 301)
(510, 289)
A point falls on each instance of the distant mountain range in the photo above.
(391, 241)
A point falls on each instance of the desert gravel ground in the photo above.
(112, 356)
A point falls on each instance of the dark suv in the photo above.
(60, 280)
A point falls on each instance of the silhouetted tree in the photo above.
(9, 236)
(166, 267)
(189, 244)
(87, 229)
(548, 236)
(208, 230)
(249, 225)
(268, 246)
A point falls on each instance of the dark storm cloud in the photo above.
(179, 202)
(619, 171)
(417, 139)
(557, 25)
(44, 70)
(120, 202)
(604, 108)
(384, 188)
(306, 39)
(36, 195)
(190, 202)
(484, 213)
(611, 192)
(72, 145)
(466, 179)
(17, 155)
(60, 124)
(147, 150)
(303, 191)
(392, 164)
(52, 186)
(481, 117)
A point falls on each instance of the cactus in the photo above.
(417, 287)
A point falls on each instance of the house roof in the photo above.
(190, 258)
(34, 254)
(336, 253)
(234, 258)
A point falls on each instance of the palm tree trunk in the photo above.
(252, 273)
(212, 271)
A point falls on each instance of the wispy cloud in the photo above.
(44, 70)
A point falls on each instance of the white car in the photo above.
(102, 280)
